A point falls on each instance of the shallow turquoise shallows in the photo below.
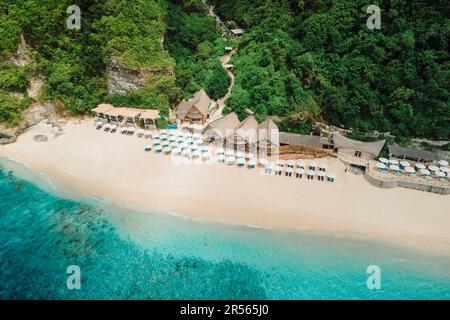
(132, 255)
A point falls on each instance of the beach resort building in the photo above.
(356, 153)
(100, 111)
(245, 136)
(268, 138)
(149, 117)
(196, 110)
(293, 143)
(219, 130)
(124, 116)
(412, 154)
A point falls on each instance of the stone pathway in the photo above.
(224, 60)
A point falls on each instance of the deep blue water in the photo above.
(131, 255)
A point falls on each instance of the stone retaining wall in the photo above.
(405, 184)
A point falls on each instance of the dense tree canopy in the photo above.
(195, 42)
(321, 52)
(299, 60)
(74, 62)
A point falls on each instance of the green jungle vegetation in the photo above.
(300, 60)
(306, 61)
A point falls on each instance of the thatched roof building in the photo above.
(412, 154)
(360, 149)
(247, 130)
(102, 108)
(237, 32)
(245, 135)
(149, 116)
(268, 137)
(293, 143)
(195, 109)
(295, 139)
(124, 112)
(221, 128)
(268, 132)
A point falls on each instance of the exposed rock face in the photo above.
(121, 79)
(32, 116)
(34, 88)
(23, 56)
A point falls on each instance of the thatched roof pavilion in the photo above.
(124, 115)
(356, 148)
(412, 154)
(268, 137)
(195, 109)
(245, 135)
(221, 128)
(149, 114)
(268, 132)
(302, 140)
(247, 130)
(102, 108)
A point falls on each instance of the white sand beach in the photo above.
(115, 167)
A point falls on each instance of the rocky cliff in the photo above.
(122, 79)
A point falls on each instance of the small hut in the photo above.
(218, 130)
(195, 110)
(236, 33)
(268, 138)
(149, 116)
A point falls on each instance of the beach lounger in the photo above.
(99, 125)
(113, 129)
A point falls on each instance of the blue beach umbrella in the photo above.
(158, 149)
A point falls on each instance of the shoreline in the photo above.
(45, 182)
(146, 181)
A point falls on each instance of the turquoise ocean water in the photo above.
(134, 255)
